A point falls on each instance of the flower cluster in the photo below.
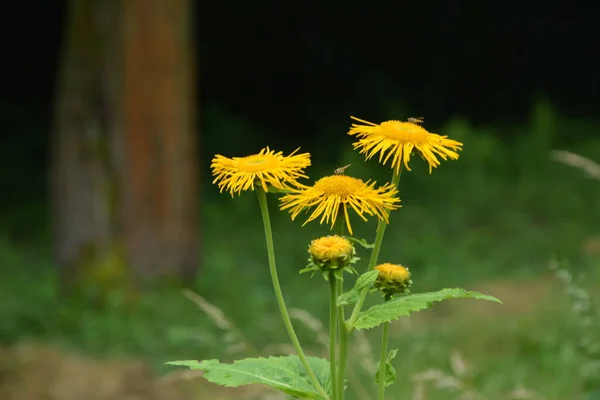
(328, 197)
(393, 141)
(332, 200)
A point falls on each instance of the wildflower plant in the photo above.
(334, 200)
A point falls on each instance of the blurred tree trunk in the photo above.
(123, 167)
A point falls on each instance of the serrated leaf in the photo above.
(352, 296)
(405, 305)
(286, 374)
(390, 371)
(362, 242)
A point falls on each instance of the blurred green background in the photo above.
(496, 220)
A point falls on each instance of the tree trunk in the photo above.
(124, 176)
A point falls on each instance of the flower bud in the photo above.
(331, 254)
(393, 279)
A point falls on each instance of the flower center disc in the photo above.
(258, 163)
(404, 131)
(339, 185)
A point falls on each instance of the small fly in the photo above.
(416, 120)
(341, 170)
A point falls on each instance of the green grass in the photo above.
(502, 211)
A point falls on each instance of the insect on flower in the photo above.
(340, 170)
(333, 196)
(395, 140)
(416, 120)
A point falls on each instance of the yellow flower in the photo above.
(330, 193)
(265, 168)
(399, 139)
(393, 279)
(331, 248)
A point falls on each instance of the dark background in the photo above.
(289, 75)
(290, 68)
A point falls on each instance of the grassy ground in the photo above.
(492, 221)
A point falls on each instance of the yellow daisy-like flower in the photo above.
(265, 168)
(330, 193)
(398, 139)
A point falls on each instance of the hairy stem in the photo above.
(262, 200)
(333, 329)
(343, 351)
(383, 359)
(343, 336)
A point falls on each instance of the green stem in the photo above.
(381, 225)
(343, 344)
(333, 335)
(287, 322)
(383, 359)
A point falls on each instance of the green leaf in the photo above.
(390, 371)
(365, 280)
(352, 296)
(286, 374)
(362, 242)
(403, 306)
(310, 268)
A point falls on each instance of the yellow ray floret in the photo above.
(331, 193)
(265, 168)
(396, 140)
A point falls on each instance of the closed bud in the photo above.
(393, 279)
(331, 254)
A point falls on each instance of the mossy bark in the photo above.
(124, 167)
